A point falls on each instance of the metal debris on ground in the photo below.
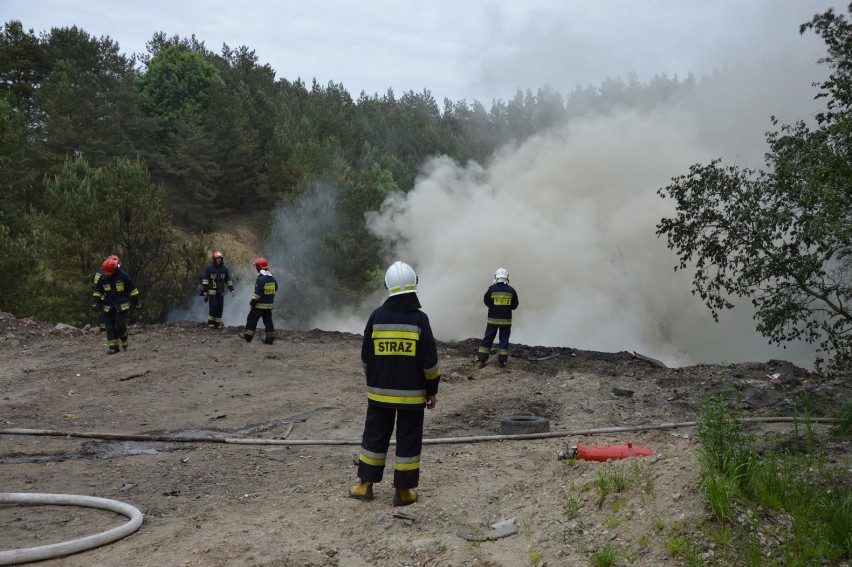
(499, 530)
(653, 361)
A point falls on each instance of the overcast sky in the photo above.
(471, 49)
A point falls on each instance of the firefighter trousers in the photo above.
(254, 316)
(378, 428)
(216, 305)
(503, 346)
(116, 327)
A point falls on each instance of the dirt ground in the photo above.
(274, 504)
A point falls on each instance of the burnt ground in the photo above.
(128, 427)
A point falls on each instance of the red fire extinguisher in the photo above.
(603, 454)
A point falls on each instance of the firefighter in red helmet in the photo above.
(115, 293)
(216, 279)
(261, 303)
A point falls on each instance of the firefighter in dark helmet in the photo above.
(116, 294)
(261, 303)
(401, 363)
(216, 279)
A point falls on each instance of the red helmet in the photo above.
(218, 254)
(110, 265)
(261, 264)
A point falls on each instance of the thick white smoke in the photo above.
(293, 251)
(572, 213)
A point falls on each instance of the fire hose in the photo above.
(434, 441)
(25, 555)
(15, 556)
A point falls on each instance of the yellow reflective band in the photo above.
(432, 374)
(407, 466)
(395, 335)
(397, 399)
(394, 347)
(368, 461)
(394, 290)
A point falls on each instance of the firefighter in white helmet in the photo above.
(400, 360)
(501, 299)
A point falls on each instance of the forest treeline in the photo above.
(143, 155)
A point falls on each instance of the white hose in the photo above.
(433, 441)
(25, 555)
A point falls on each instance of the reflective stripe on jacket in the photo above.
(115, 291)
(501, 299)
(216, 277)
(400, 356)
(264, 291)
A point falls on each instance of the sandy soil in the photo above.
(225, 504)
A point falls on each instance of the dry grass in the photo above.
(240, 245)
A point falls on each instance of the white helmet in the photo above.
(501, 275)
(400, 278)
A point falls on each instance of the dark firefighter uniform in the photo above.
(261, 307)
(116, 294)
(501, 299)
(216, 279)
(401, 363)
(97, 305)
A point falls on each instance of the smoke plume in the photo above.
(571, 214)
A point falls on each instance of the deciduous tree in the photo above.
(781, 236)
